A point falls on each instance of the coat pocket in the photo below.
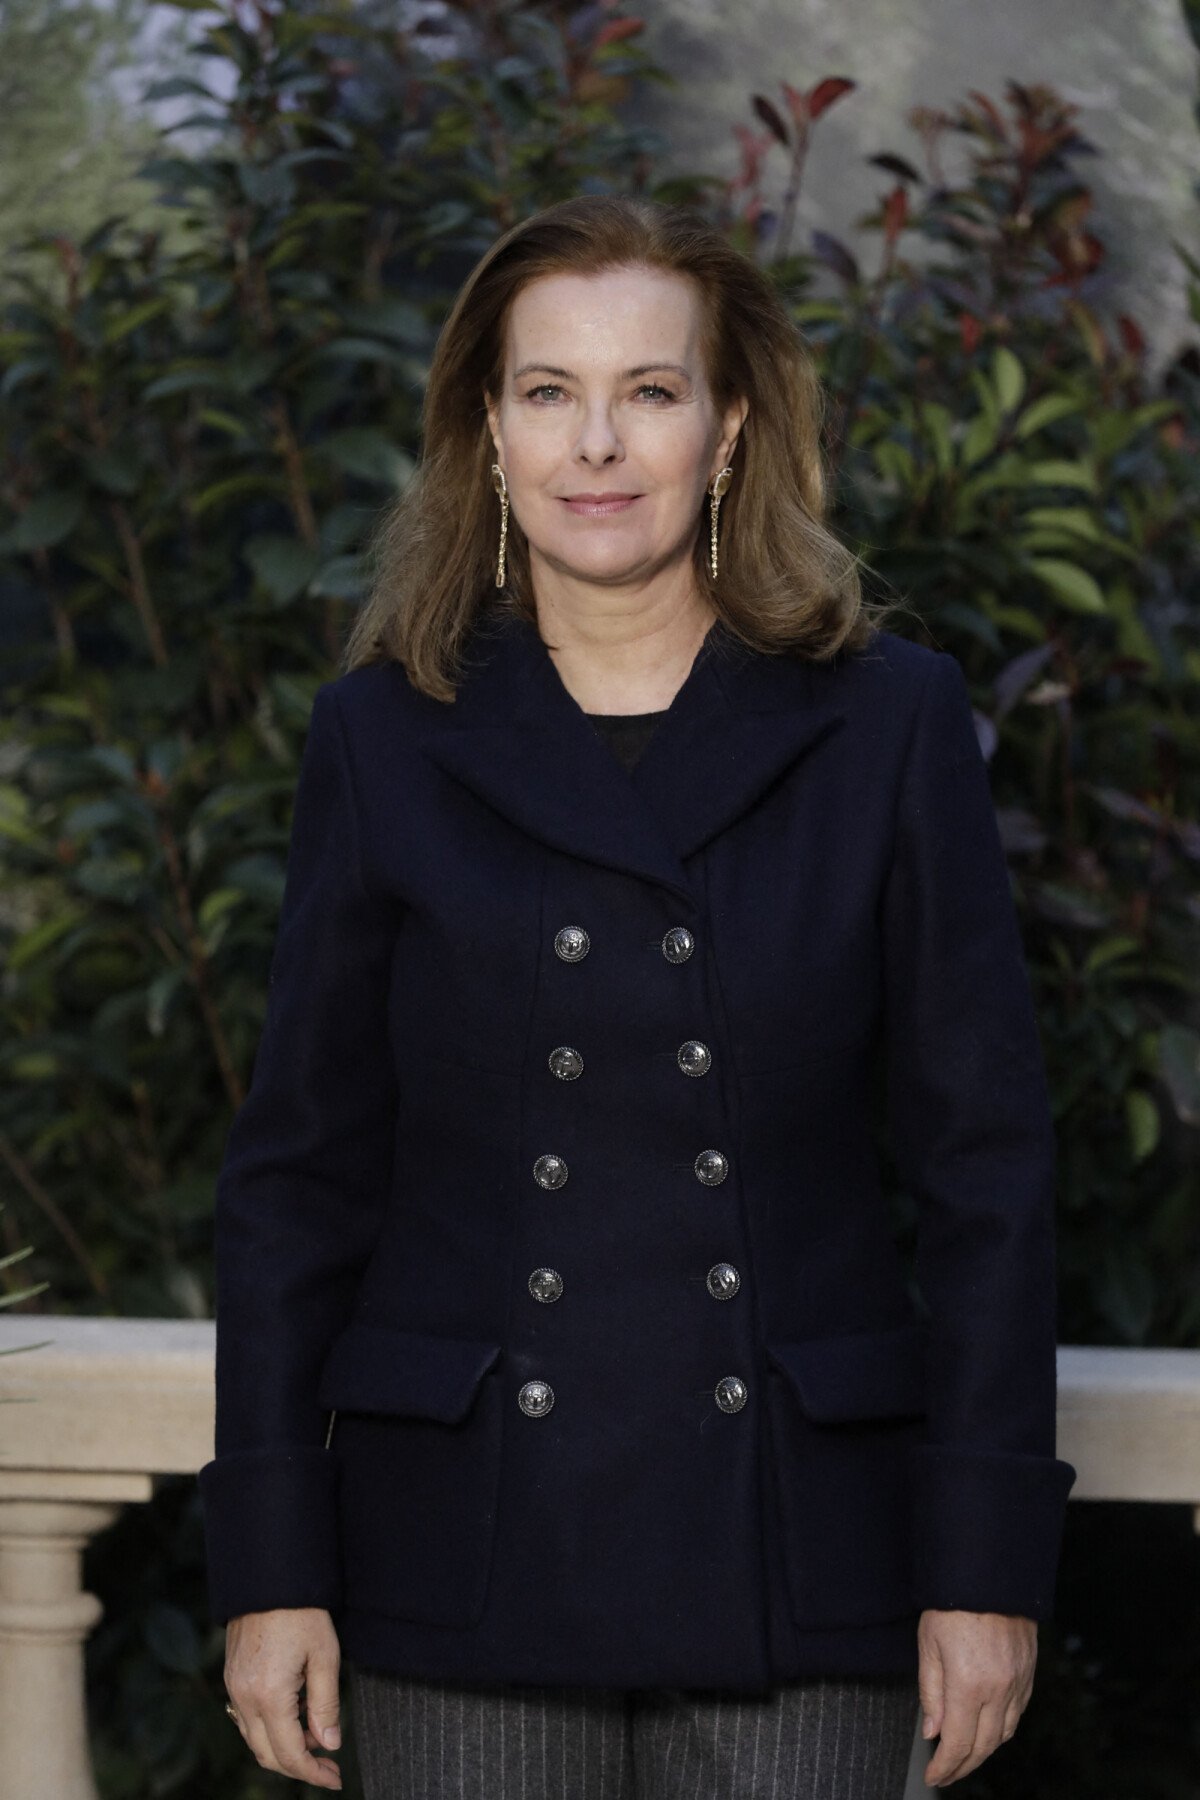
(844, 1413)
(416, 1436)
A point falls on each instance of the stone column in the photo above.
(45, 1618)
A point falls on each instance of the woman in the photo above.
(569, 1382)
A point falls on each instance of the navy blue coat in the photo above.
(604, 1367)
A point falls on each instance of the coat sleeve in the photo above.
(970, 1127)
(300, 1198)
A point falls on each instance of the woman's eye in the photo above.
(552, 387)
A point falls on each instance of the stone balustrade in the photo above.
(102, 1407)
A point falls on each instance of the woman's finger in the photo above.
(286, 1736)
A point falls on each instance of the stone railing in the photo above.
(106, 1405)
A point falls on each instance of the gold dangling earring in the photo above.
(720, 485)
(501, 487)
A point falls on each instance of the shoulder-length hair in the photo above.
(786, 583)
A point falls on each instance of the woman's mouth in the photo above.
(597, 506)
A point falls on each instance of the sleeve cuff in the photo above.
(270, 1529)
(987, 1529)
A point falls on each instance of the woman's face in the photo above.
(605, 395)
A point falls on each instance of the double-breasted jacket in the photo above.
(563, 1329)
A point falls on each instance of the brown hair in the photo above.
(785, 582)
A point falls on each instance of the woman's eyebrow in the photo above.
(629, 375)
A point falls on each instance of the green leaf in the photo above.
(254, 481)
(1074, 587)
(1111, 950)
(159, 995)
(342, 578)
(1008, 378)
(222, 421)
(1046, 410)
(394, 318)
(28, 947)
(27, 369)
(183, 380)
(1062, 474)
(127, 322)
(113, 470)
(1075, 521)
(50, 517)
(372, 456)
(259, 876)
(267, 184)
(37, 1065)
(218, 905)
(359, 349)
(979, 440)
(1141, 1119)
(175, 87)
(284, 565)
(938, 422)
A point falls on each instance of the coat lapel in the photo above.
(517, 738)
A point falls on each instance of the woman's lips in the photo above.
(600, 509)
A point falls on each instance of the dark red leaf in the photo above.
(797, 105)
(617, 31)
(770, 116)
(895, 213)
(991, 112)
(834, 254)
(1131, 335)
(826, 92)
(896, 165)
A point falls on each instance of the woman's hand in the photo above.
(975, 1679)
(267, 1657)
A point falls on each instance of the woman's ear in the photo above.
(493, 417)
(735, 418)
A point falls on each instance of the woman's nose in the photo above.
(598, 438)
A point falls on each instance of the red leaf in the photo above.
(826, 92)
(834, 254)
(895, 213)
(969, 332)
(754, 147)
(797, 104)
(989, 108)
(617, 31)
(1131, 335)
(896, 165)
(770, 117)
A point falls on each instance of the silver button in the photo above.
(550, 1171)
(730, 1393)
(711, 1167)
(693, 1057)
(723, 1281)
(537, 1397)
(546, 1284)
(572, 943)
(678, 944)
(566, 1063)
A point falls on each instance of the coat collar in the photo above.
(520, 741)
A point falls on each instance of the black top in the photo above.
(627, 733)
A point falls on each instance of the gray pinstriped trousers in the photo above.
(821, 1739)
